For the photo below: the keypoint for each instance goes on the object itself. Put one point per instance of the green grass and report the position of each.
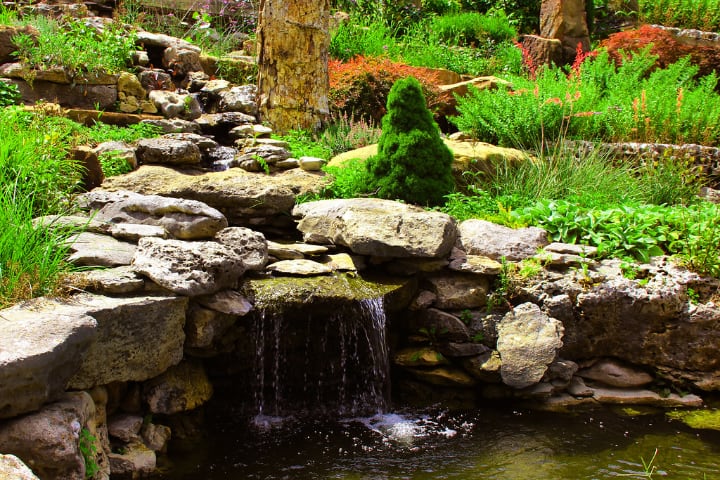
(698, 14)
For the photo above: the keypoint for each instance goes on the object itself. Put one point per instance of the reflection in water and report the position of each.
(487, 444)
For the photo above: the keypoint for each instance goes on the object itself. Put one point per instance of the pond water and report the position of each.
(489, 443)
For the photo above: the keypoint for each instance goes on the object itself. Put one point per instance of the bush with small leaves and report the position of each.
(413, 163)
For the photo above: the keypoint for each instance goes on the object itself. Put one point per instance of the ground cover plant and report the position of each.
(698, 14)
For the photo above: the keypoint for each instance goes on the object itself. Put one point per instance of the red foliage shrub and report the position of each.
(360, 86)
(665, 46)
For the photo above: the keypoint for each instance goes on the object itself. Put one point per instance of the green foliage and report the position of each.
(9, 94)
(413, 163)
(471, 28)
(690, 232)
(368, 37)
(88, 450)
(349, 181)
(524, 14)
(76, 47)
(598, 101)
(305, 144)
(103, 132)
(113, 164)
(698, 14)
(32, 258)
(33, 160)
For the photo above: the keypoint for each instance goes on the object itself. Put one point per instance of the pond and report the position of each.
(492, 442)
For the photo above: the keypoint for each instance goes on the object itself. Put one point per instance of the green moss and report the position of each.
(413, 164)
(700, 419)
(290, 293)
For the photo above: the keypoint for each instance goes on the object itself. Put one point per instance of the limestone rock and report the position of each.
(244, 198)
(343, 262)
(457, 350)
(271, 154)
(577, 388)
(12, 468)
(477, 264)
(528, 341)
(294, 251)
(615, 374)
(114, 281)
(479, 237)
(161, 40)
(247, 244)
(91, 249)
(133, 232)
(485, 367)
(205, 326)
(565, 21)
(167, 151)
(137, 337)
(92, 172)
(188, 268)
(311, 164)
(174, 125)
(439, 325)
(371, 226)
(79, 95)
(40, 349)
(155, 437)
(136, 461)
(419, 357)
(7, 47)
(179, 389)
(444, 377)
(456, 292)
(239, 99)
(544, 51)
(182, 59)
(623, 396)
(125, 426)
(302, 267)
(226, 301)
(48, 439)
(183, 219)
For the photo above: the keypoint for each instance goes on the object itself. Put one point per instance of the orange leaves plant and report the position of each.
(360, 86)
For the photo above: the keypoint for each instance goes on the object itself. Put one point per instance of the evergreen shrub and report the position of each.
(413, 163)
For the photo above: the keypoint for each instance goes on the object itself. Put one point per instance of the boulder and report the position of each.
(40, 350)
(92, 172)
(48, 439)
(616, 374)
(239, 99)
(183, 219)
(479, 237)
(565, 21)
(133, 232)
(371, 226)
(226, 301)
(179, 389)
(528, 342)
(444, 377)
(294, 251)
(167, 151)
(485, 367)
(247, 244)
(243, 197)
(419, 357)
(137, 337)
(173, 125)
(205, 327)
(156, 437)
(119, 150)
(437, 326)
(7, 47)
(135, 461)
(459, 291)
(182, 59)
(188, 268)
(125, 426)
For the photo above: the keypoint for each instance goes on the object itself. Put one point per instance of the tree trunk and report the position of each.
(293, 63)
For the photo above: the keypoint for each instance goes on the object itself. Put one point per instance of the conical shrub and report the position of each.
(413, 163)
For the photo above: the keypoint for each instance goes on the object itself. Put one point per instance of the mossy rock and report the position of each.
(325, 293)
(708, 419)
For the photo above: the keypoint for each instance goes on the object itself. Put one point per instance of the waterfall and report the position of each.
(315, 362)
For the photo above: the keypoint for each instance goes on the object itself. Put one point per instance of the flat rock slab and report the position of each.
(183, 219)
(95, 250)
(301, 267)
(239, 195)
(382, 228)
(40, 350)
(644, 397)
(137, 338)
(114, 281)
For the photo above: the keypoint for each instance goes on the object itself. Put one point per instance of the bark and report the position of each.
(293, 63)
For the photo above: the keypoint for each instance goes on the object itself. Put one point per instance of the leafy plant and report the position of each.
(345, 133)
(699, 14)
(9, 94)
(413, 163)
(77, 47)
(471, 28)
(305, 144)
(114, 164)
(88, 450)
